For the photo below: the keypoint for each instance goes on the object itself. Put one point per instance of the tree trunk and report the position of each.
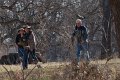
(115, 6)
(106, 39)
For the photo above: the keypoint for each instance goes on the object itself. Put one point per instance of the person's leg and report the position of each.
(33, 54)
(20, 52)
(25, 59)
(85, 51)
(22, 56)
(78, 52)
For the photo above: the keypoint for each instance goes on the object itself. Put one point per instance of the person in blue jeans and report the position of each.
(30, 37)
(80, 34)
(21, 44)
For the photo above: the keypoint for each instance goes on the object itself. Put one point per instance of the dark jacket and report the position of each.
(80, 34)
(31, 40)
(21, 41)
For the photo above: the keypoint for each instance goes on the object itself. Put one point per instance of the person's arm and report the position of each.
(72, 37)
(32, 39)
(85, 35)
(17, 40)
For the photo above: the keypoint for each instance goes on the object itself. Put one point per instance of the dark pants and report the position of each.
(32, 52)
(24, 56)
(84, 48)
(36, 56)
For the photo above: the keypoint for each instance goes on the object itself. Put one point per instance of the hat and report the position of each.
(29, 27)
(26, 26)
(21, 29)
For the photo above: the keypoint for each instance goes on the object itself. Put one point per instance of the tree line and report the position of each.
(53, 22)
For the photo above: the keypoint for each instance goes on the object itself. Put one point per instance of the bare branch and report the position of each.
(9, 7)
(26, 7)
(19, 21)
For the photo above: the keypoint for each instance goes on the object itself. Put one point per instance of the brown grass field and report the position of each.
(95, 70)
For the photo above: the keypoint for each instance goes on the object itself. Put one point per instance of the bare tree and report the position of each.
(116, 11)
(53, 22)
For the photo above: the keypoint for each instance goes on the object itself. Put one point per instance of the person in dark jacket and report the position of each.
(21, 44)
(30, 36)
(80, 34)
(31, 42)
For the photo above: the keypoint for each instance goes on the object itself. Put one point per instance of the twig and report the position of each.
(23, 74)
(13, 73)
(108, 59)
(29, 72)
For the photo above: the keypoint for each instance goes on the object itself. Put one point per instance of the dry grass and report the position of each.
(86, 71)
(95, 70)
(14, 72)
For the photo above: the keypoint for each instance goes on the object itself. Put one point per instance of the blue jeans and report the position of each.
(84, 48)
(24, 55)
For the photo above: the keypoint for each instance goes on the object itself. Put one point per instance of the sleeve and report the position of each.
(17, 40)
(72, 37)
(85, 35)
(73, 34)
(32, 38)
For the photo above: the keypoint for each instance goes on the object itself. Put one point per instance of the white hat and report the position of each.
(29, 27)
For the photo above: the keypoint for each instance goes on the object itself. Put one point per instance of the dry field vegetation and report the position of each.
(95, 70)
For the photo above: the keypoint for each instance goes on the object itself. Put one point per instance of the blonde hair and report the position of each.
(78, 21)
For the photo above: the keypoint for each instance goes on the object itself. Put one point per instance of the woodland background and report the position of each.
(53, 22)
